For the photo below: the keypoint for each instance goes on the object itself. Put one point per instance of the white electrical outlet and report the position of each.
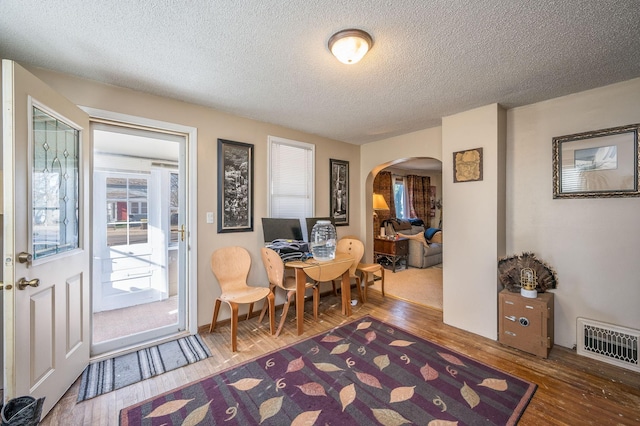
(209, 217)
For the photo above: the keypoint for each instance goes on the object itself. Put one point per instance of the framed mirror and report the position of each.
(601, 163)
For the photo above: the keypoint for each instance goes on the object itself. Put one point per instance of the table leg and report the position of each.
(301, 279)
(346, 293)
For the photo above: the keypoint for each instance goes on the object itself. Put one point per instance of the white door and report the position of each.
(139, 235)
(46, 155)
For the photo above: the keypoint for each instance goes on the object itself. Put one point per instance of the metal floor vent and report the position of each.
(608, 343)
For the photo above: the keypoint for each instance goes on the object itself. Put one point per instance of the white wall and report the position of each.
(594, 244)
(472, 223)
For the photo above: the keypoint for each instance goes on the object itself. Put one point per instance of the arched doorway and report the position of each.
(401, 176)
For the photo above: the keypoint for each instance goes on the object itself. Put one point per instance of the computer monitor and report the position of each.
(279, 228)
(310, 221)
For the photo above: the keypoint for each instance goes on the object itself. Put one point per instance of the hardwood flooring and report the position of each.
(572, 390)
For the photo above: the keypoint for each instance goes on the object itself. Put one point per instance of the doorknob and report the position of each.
(24, 257)
(23, 283)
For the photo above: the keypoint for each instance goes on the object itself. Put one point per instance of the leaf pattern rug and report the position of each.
(365, 372)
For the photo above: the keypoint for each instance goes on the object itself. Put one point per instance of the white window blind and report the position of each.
(291, 178)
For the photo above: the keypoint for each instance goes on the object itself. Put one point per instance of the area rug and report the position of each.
(115, 373)
(364, 372)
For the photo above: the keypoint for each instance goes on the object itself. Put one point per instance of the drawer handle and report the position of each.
(511, 318)
(510, 333)
(528, 307)
(508, 302)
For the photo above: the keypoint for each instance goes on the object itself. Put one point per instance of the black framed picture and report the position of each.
(339, 190)
(235, 186)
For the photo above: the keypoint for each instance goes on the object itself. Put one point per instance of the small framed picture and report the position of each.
(339, 190)
(235, 186)
(467, 165)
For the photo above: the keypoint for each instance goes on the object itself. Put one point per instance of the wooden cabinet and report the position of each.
(526, 324)
(391, 250)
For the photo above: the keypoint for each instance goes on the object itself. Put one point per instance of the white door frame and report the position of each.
(191, 195)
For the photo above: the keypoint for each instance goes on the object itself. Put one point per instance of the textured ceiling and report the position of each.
(268, 59)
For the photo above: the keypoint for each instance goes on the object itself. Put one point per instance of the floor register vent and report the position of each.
(608, 343)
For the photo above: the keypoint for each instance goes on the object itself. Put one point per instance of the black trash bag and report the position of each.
(22, 411)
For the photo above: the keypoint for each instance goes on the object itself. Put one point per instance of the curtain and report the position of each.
(419, 202)
(383, 184)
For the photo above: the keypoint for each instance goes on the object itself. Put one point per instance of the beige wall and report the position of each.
(594, 244)
(471, 227)
(211, 125)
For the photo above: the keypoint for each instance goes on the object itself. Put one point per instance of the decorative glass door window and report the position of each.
(55, 186)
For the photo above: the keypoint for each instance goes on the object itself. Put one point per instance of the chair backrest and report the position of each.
(354, 248)
(231, 266)
(274, 266)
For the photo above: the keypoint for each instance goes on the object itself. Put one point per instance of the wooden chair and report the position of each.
(370, 268)
(354, 248)
(231, 265)
(274, 266)
(364, 269)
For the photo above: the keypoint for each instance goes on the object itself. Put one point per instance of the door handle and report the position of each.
(180, 231)
(24, 283)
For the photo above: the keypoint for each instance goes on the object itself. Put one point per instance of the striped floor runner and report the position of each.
(115, 373)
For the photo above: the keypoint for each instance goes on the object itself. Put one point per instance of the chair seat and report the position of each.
(369, 267)
(290, 284)
(246, 295)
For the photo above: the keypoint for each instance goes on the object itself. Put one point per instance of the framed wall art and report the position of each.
(235, 186)
(339, 190)
(467, 165)
(600, 163)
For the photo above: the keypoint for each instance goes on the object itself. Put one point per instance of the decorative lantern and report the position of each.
(528, 283)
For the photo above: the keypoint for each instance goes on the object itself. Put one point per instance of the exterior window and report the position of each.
(400, 197)
(126, 201)
(291, 178)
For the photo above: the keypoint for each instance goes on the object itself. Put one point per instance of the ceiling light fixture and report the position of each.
(349, 46)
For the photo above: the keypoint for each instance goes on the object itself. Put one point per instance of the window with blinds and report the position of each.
(291, 178)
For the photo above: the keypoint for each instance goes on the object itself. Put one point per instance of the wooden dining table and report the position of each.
(321, 271)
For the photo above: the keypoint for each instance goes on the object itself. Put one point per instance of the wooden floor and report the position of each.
(572, 390)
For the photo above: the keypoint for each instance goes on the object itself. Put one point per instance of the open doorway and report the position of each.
(139, 249)
(412, 190)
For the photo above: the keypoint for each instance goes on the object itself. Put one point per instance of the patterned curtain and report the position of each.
(419, 202)
(383, 184)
